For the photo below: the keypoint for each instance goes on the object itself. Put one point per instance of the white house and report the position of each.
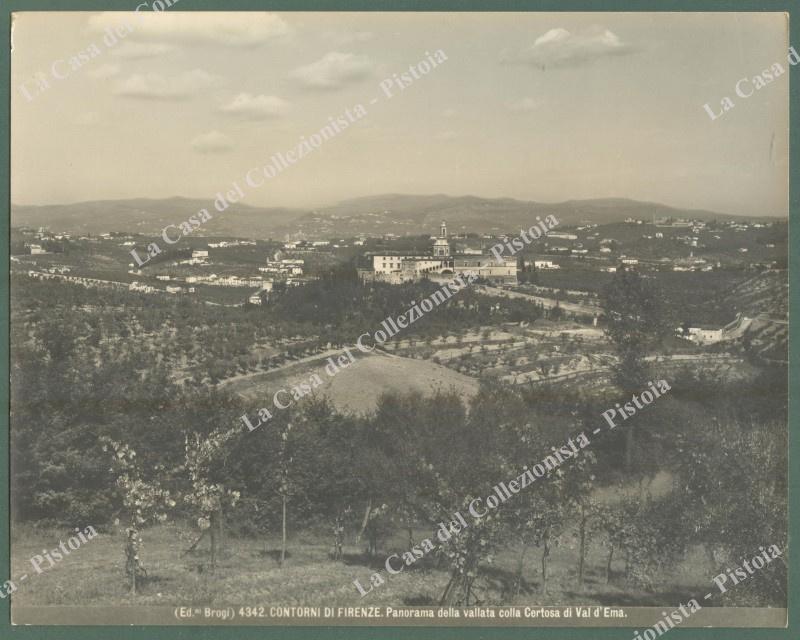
(705, 335)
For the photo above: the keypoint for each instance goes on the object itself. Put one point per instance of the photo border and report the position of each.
(388, 632)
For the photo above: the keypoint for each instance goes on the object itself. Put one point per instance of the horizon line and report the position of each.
(411, 195)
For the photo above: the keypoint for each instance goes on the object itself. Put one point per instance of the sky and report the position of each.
(535, 106)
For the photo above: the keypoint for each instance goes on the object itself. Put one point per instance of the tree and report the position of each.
(614, 520)
(429, 452)
(733, 488)
(533, 276)
(522, 270)
(578, 487)
(465, 550)
(208, 497)
(285, 485)
(145, 501)
(635, 322)
(657, 538)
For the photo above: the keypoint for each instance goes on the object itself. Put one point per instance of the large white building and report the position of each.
(441, 264)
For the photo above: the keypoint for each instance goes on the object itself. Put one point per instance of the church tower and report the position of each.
(441, 247)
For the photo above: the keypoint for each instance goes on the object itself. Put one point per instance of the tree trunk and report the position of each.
(627, 564)
(711, 559)
(372, 542)
(212, 531)
(608, 565)
(458, 591)
(221, 530)
(448, 589)
(520, 567)
(283, 530)
(193, 546)
(132, 556)
(582, 559)
(545, 554)
(365, 521)
(468, 591)
(629, 448)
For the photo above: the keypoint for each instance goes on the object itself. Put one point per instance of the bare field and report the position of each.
(358, 386)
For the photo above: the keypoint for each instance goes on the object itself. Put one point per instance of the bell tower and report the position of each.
(441, 247)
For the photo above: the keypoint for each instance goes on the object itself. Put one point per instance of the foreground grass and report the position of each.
(248, 573)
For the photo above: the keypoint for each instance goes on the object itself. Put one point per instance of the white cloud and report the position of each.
(133, 50)
(333, 70)
(212, 142)
(154, 86)
(242, 29)
(104, 71)
(525, 104)
(259, 107)
(561, 48)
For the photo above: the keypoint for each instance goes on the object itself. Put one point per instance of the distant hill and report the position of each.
(149, 216)
(409, 214)
(373, 215)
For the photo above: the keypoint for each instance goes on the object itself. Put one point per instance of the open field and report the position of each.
(359, 386)
(247, 575)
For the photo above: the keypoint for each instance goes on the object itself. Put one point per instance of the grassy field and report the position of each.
(248, 573)
(359, 386)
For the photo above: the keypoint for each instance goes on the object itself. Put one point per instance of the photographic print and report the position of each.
(379, 319)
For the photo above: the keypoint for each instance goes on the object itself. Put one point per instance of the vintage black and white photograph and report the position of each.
(399, 318)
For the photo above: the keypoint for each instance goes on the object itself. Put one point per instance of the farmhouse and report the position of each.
(702, 334)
